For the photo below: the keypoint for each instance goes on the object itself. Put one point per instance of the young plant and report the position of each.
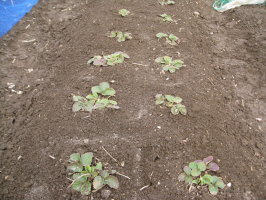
(109, 60)
(123, 12)
(171, 102)
(197, 173)
(170, 39)
(166, 2)
(88, 176)
(98, 99)
(166, 18)
(121, 37)
(169, 64)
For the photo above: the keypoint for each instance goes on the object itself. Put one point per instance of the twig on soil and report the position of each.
(69, 179)
(190, 188)
(109, 154)
(211, 82)
(27, 41)
(140, 64)
(146, 186)
(52, 157)
(122, 175)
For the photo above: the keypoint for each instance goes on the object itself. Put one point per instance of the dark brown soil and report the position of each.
(223, 86)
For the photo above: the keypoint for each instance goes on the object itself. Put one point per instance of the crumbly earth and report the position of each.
(223, 86)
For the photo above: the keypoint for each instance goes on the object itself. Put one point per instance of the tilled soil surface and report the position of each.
(223, 86)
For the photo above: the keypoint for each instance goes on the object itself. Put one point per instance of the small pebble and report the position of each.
(196, 13)
(229, 184)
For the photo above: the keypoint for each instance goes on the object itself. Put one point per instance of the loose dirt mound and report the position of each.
(223, 87)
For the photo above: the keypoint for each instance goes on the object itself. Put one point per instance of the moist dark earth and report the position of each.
(223, 86)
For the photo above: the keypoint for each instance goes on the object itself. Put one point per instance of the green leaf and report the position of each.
(166, 68)
(195, 172)
(75, 168)
(215, 179)
(220, 184)
(167, 60)
(159, 99)
(80, 177)
(188, 179)
(201, 166)
(172, 70)
(169, 104)
(108, 92)
(206, 179)
(187, 170)
(104, 174)
(96, 89)
(161, 35)
(104, 86)
(92, 96)
(178, 100)
(98, 182)
(113, 34)
(77, 106)
(78, 98)
(195, 181)
(159, 60)
(178, 63)
(88, 106)
(124, 55)
(112, 181)
(85, 188)
(123, 12)
(113, 102)
(182, 109)
(174, 110)
(213, 190)
(172, 37)
(75, 157)
(86, 158)
(99, 166)
(77, 185)
(170, 98)
(182, 177)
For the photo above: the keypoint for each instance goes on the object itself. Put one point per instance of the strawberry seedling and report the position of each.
(123, 12)
(171, 102)
(169, 64)
(109, 60)
(121, 37)
(98, 99)
(170, 39)
(166, 18)
(88, 176)
(166, 2)
(197, 173)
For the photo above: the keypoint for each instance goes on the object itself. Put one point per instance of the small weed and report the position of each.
(89, 177)
(172, 102)
(99, 99)
(113, 59)
(166, 18)
(197, 173)
(123, 12)
(166, 2)
(121, 37)
(169, 64)
(170, 39)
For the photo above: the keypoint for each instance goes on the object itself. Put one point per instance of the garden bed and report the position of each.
(222, 86)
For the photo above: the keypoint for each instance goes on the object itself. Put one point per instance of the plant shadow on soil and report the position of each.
(223, 87)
